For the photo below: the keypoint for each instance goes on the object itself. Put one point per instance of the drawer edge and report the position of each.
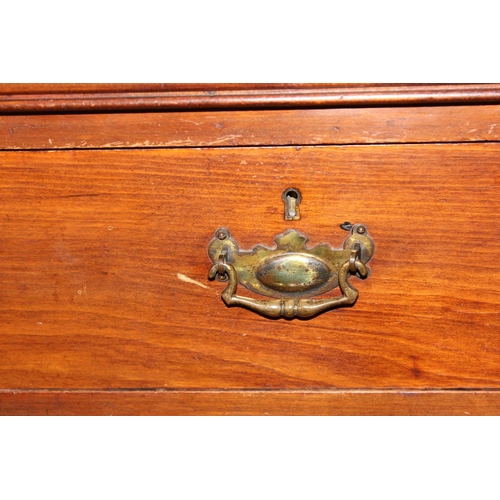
(251, 402)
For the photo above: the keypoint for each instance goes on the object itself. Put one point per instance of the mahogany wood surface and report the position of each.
(110, 193)
(264, 403)
(114, 88)
(251, 128)
(104, 268)
(93, 98)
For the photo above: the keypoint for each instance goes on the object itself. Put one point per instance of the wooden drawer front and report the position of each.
(104, 268)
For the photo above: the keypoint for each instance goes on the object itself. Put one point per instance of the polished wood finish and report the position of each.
(222, 96)
(264, 403)
(98, 249)
(115, 88)
(423, 124)
(105, 305)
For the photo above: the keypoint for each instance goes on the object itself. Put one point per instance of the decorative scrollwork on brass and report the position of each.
(291, 274)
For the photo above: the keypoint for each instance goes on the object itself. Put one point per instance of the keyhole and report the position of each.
(291, 198)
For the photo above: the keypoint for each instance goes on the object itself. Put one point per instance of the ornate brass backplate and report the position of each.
(291, 273)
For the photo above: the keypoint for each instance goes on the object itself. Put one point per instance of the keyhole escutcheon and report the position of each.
(291, 198)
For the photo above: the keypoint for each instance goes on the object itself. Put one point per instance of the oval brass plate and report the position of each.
(293, 272)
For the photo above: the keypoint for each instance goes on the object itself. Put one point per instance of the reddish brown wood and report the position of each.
(105, 306)
(252, 128)
(457, 403)
(245, 97)
(89, 88)
(96, 247)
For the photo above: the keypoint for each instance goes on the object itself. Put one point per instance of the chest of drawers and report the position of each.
(111, 195)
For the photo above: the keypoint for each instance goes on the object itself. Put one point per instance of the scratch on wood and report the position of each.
(83, 195)
(224, 139)
(113, 144)
(186, 279)
(191, 121)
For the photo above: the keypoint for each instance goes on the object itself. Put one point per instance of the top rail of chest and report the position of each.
(223, 115)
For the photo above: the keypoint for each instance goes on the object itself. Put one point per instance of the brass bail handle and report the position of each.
(291, 274)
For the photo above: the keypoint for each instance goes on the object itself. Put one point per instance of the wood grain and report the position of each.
(265, 403)
(252, 128)
(241, 97)
(93, 88)
(95, 245)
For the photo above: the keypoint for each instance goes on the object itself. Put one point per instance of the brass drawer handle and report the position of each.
(291, 273)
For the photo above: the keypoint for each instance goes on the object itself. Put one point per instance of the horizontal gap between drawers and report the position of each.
(253, 391)
(250, 146)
